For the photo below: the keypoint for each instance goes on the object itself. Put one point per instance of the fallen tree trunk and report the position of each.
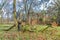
(18, 26)
(9, 28)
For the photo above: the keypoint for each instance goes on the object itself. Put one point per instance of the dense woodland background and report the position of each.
(31, 11)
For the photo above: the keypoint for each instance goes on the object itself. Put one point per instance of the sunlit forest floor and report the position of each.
(13, 34)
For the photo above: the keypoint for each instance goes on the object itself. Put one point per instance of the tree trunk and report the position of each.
(14, 11)
(15, 17)
(17, 23)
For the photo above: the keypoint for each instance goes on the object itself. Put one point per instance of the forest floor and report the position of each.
(48, 34)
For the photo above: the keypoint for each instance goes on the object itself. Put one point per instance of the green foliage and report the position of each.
(25, 28)
(35, 28)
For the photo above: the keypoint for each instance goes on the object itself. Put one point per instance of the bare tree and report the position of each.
(28, 8)
(1, 7)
